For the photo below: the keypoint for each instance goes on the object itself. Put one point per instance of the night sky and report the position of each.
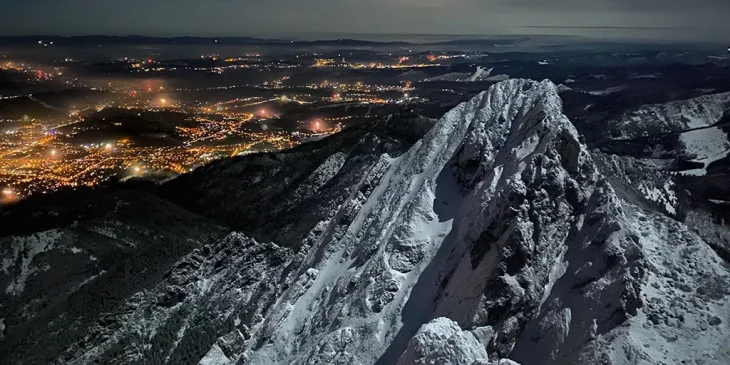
(665, 19)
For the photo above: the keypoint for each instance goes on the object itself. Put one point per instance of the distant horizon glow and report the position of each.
(649, 19)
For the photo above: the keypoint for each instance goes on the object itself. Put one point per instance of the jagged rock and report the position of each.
(442, 341)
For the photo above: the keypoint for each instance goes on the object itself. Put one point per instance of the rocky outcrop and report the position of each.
(442, 341)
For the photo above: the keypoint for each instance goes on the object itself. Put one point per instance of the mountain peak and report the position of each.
(493, 239)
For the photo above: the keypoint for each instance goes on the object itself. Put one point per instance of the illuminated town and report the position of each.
(90, 142)
(36, 159)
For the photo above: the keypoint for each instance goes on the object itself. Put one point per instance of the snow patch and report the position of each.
(88, 280)
(481, 74)
(676, 116)
(720, 202)
(215, 357)
(707, 144)
(26, 249)
(609, 91)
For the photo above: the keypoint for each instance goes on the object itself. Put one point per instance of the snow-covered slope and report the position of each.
(677, 116)
(493, 239)
(706, 143)
(675, 153)
(704, 146)
(481, 74)
(58, 283)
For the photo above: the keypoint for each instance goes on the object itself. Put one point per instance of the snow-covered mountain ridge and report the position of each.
(676, 153)
(494, 239)
(677, 116)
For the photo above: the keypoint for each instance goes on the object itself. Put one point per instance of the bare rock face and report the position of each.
(494, 239)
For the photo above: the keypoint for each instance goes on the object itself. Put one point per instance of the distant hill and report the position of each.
(136, 40)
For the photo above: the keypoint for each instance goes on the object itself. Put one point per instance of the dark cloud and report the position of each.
(696, 19)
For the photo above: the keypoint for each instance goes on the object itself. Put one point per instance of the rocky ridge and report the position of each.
(494, 239)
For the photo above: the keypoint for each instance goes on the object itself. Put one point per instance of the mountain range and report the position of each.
(94, 40)
(497, 234)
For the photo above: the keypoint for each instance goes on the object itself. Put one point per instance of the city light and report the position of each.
(317, 125)
(33, 153)
(7, 191)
